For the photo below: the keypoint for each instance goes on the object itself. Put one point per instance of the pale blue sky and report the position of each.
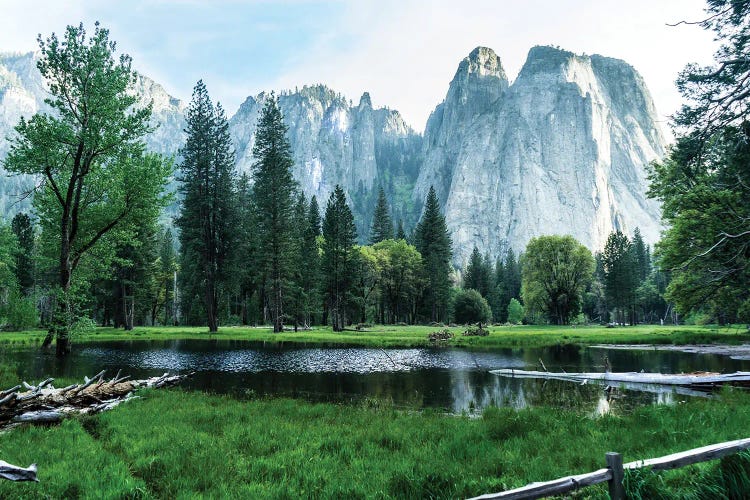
(404, 52)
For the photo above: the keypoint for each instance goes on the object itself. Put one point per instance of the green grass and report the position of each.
(416, 336)
(174, 444)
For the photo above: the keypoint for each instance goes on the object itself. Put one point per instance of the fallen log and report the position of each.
(696, 380)
(43, 404)
(15, 473)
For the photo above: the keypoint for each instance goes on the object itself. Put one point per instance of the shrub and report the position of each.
(470, 307)
(19, 313)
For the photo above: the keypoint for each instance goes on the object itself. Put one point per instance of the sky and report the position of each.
(403, 52)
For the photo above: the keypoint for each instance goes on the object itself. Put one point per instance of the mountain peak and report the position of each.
(482, 61)
(365, 100)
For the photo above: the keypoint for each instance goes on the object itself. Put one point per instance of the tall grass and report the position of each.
(174, 444)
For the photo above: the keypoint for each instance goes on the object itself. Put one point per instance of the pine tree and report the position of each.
(24, 231)
(487, 281)
(207, 220)
(382, 225)
(274, 200)
(473, 274)
(434, 243)
(400, 233)
(310, 263)
(641, 256)
(339, 235)
(512, 279)
(497, 296)
(247, 279)
(167, 269)
(620, 273)
(296, 291)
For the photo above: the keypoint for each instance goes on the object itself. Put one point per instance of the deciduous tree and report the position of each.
(89, 153)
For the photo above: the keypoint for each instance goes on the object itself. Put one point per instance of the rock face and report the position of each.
(562, 150)
(334, 142)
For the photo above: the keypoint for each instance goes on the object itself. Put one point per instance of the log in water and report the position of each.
(685, 380)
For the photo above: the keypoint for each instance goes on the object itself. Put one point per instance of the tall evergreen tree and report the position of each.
(487, 281)
(24, 232)
(474, 272)
(206, 218)
(512, 279)
(297, 294)
(274, 201)
(382, 225)
(310, 263)
(641, 256)
(620, 273)
(167, 271)
(247, 279)
(496, 296)
(339, 235)
(400, 233)
(434, 243)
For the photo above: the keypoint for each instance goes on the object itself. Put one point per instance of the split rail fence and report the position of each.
(614, 473)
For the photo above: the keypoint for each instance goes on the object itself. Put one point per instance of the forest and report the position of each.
(252, 250)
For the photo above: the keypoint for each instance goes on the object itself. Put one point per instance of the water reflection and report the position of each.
(451, 379)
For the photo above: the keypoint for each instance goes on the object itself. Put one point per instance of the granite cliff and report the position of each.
(562, 149)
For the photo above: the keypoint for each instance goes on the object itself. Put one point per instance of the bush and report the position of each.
(19, 313)
(470, 307)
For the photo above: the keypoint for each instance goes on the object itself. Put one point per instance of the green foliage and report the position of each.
(207, 219)
(515, 312)
(24, 232)
(470, 307)
(309, 263)
(382, 224)
(621, 273)
(400, 280)
(89, 153)
(17, 312)
(434, 244)
(274, 189)
(703, 183)
(339, 256)
(556, 271)
(8, 252)
(479, 274)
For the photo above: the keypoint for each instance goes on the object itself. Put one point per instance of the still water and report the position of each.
(454, 380)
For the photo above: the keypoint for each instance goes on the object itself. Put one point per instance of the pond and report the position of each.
(454, 380)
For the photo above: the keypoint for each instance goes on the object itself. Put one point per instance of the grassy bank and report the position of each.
(416, 336)
(174, 444)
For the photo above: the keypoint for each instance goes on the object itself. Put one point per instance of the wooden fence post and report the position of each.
(616, 487)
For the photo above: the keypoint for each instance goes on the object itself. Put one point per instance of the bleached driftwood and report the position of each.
(15, 473)
(685, 380)
(43, 404)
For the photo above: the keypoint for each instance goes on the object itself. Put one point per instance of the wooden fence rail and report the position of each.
(615, 472)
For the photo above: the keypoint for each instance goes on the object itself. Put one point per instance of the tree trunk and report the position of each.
(60, 322)
(128, 302)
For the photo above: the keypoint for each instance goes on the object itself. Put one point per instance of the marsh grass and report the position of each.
(175, 444)
(416, 336)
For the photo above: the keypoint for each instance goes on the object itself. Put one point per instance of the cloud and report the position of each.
(404, 52)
